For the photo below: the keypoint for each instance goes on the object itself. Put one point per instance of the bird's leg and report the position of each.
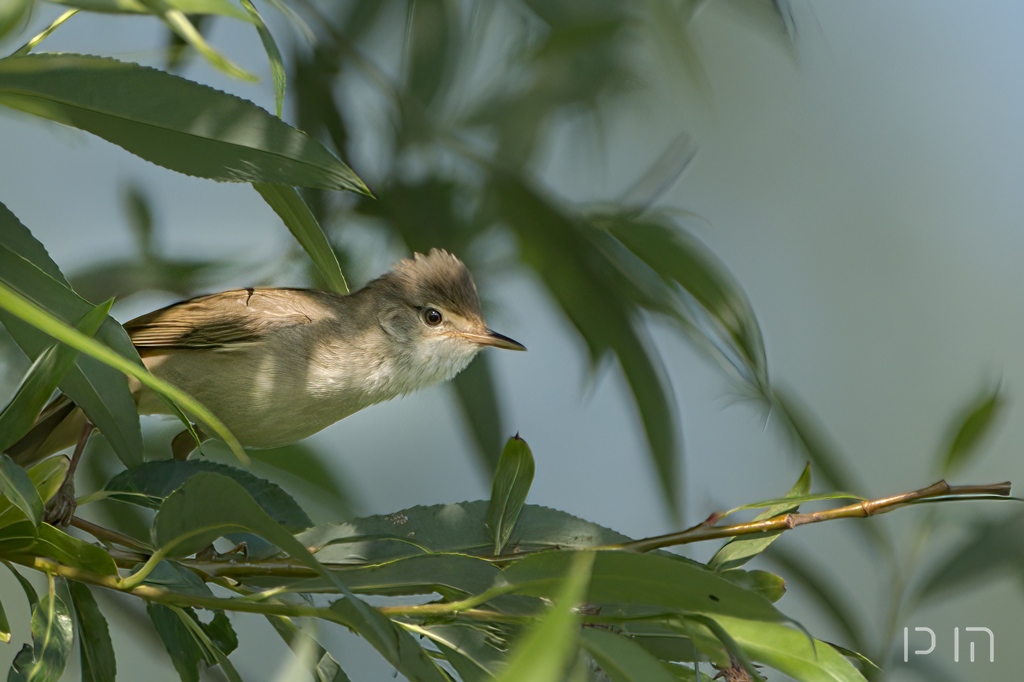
(184, 443)
(62, 507)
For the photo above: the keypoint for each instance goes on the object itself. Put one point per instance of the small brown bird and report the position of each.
(278, 365)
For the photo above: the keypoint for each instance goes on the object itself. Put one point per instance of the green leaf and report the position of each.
(448, 528)
(974, 422)
(644, 579)
(5, 626)
(71, 551)
(476, 651)
(101, 392)
(179, 22)
(185, 651)
(273, 54)
(17, 487)
(219, 7)
(42, 379)
(52, 638)
(297, 217)
(508, 494)
(306, 465)
(170, 121)
(739, 551)
(97, 652)
(26, 587)
(768, 585)
(322, 665)
(397, 646)
(790, 651)
(13, 14)
(622, 659)
(159, 479)
(546, 650)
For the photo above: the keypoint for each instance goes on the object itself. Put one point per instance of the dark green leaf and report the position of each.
(739, 551)
(170, 121)
(159, 479)
(305, 464)
(508, 494)
(26, 587)
(71, 551)
(46, 478)
(185, 651)
(102, 392)
(622, 659)
(544, 653)
(42, 380)
(322, 665)
(5, 626)
(297, 217)
(97, 652)
(431, 49)
(973, 423)
(17, 487)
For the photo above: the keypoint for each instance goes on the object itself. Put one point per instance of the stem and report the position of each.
(705, 531)
(106, 535)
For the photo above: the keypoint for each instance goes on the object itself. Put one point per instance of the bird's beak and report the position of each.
(493, 338)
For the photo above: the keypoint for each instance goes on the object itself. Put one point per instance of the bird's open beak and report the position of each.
(493, 338)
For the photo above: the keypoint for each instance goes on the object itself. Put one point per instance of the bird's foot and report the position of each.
(62, 507)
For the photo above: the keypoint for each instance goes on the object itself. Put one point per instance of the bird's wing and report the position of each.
(231, 317)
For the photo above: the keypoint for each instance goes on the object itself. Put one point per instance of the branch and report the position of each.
(708, 531)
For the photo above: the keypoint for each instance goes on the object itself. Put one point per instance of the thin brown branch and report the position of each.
(708, 531)
(108, 536)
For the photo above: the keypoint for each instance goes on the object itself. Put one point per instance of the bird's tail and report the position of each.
(57, 427)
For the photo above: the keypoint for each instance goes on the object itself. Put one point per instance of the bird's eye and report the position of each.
(432, 316)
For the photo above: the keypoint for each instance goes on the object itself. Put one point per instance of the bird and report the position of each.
(277, 365)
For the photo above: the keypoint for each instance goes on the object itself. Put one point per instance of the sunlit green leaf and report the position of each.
(972, 425)
(12, 14)
(297, 217)
(52, 638)
(5, 626)
(220, 7)
(273, 54)
(545, 651)
(508, 494)
(170, 121)
(17, 487)
(96, 650)
(70, 551)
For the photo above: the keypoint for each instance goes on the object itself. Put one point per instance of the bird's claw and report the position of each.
(62, 507)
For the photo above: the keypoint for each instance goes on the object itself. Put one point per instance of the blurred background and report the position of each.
(854, 166)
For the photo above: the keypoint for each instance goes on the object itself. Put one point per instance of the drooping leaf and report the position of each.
(5, 626)
(545, 651)
(185, 652)
(508, 494)
(273, 54)
(218, 7)
(160, 478)
(478, 399)
(16, 486)
(739, 551)
(974, 422)
(52, 639)
(622, 659)
(476, 651)
(42, 379)
(170, 121)
(297, 217)
(323, 666)
(96, 650)
(70, 551)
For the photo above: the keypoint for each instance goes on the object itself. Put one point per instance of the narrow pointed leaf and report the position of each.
(273, 54)
(179, 22)
(170, 121)
(508, 494)
(622, 659)
(323, 666)
(5, 626)
(297, 217)
(96, 650)
(218, 7)
(478, 398)
(976, 421)
(52, 638)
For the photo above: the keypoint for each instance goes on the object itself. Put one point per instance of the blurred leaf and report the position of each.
(5, 626)
(297, 217)
(170, 121)
(179, 22)
(432, 45)
(972, 425)
(273, 54)
(768, 585)
(137, 206)
(544, 653)
(622, 659)
(187, 641)
(790, 651)
(739, 551)
(222, 7)
(12, 14)
(600, 302)
(478, 397)
(52, 638)
(101, 392)
(44, 34)
(161, 478)
(306, 465)
(476, 652)
(313, 94)
(508, 494)
(16, 486)
(323, 666)
(42, 379)
(122, 278)
(98, 662)
(665, 170)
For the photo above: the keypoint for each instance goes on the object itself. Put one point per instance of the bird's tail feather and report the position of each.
(58, 426)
